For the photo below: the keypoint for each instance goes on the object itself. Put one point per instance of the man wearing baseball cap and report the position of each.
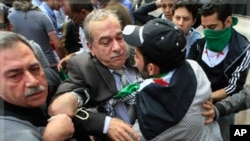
(169, 100)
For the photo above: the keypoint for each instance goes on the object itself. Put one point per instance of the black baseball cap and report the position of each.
(161, 41)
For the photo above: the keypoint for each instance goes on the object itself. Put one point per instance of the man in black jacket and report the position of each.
(223, 54)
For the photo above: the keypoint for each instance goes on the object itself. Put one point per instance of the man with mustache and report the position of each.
(53, 78)
(93, 81)
(23, 95)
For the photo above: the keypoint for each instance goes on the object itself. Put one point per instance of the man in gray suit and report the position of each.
(93, 81)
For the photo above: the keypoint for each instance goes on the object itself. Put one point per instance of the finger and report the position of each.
(208, 102)
(59, 67)
(207, 106)
(208, 120)
(132, 134)
(125, 137)
(204, 113)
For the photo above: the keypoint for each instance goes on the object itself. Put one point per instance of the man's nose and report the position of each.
(31, 80)
(181, 21)
(116, 45)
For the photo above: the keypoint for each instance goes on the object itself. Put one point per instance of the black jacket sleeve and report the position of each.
(142, 13)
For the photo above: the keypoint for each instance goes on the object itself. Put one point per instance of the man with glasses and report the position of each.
(73, 37)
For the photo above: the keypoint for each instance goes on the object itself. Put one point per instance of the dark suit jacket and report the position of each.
(142, 15)
(71, 37)
(86, 73)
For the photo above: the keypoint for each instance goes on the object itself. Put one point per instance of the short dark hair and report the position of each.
(77, 5)
(191, 5)
(221, 7)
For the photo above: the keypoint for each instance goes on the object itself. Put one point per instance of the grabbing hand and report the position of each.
(121, 131)
(63, 104)
(209, 112)
(59, 128)
(63, 62)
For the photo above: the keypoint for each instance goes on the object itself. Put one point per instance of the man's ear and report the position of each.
(194, 21)
(89, 45)
(153, 69)
(84, 13)
(90, 48)
(228, 21)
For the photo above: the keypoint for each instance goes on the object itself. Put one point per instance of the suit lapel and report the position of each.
(106, 75)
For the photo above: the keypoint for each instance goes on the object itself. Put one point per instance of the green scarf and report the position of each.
(133, 88)
(218, 39)
(129, 89)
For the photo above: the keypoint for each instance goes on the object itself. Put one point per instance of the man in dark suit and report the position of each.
(93, 81)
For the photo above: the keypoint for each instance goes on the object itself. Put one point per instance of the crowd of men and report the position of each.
(121, 66)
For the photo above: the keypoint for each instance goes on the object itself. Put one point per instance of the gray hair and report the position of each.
(9, 39)
(97, 15)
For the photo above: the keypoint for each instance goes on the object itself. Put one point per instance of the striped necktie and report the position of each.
(122, 76)
(120, 108)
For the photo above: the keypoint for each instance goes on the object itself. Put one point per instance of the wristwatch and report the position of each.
(79, 99)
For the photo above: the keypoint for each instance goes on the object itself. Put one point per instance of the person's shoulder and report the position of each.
(199, 42)
(16, 122)
(195, 32)
(194, 64)
(82, 55)
(239, 40)
(240, 36)
(11, 11)
(17, 129)
(81, 58)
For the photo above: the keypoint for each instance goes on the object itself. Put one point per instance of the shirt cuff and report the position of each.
(106, 124)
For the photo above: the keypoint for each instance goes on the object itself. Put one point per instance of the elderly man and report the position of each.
(93, 80)
(53, 78)
(23, 95)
